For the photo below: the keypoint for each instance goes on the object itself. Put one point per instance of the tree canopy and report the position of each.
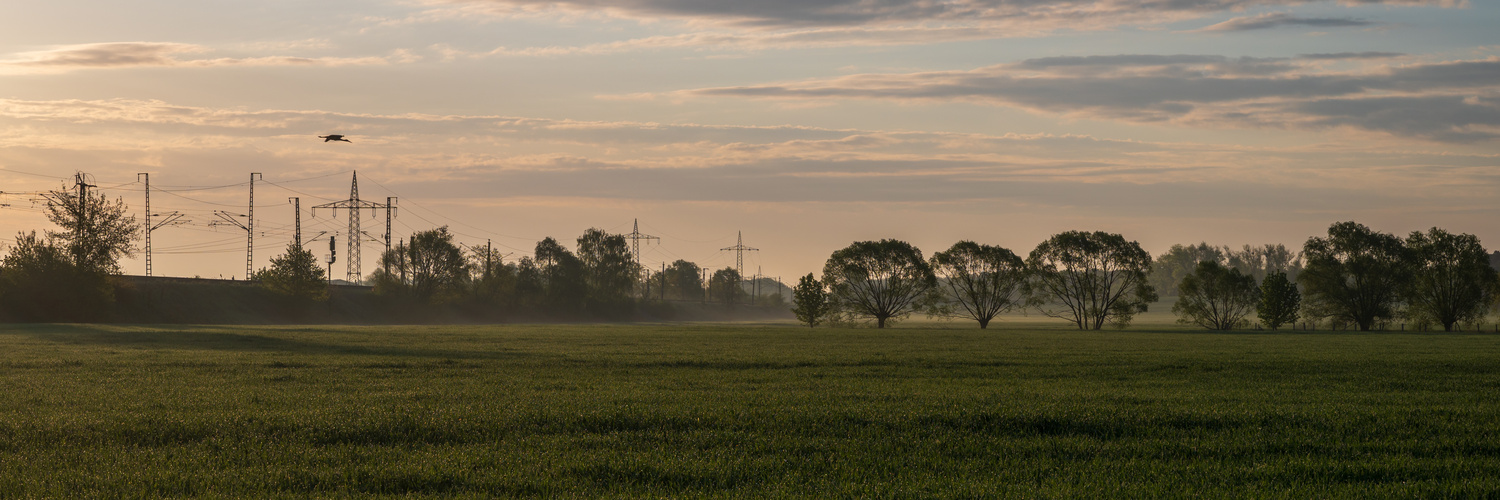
(1356, 274)
(810, 301)
(684, 280)
(96, 232)
(610, 269)
(295, 273)
(1216, 297)
(1279, 301)
(724, 286)
(982, 281)
(1090, 278)
(430, 268)
(1452, 280)
(879, 279)
(1178, 262)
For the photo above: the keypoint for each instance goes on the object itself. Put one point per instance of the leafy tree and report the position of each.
(1261, 261)
(984, 280)
(724, 286)
(295, 273)
(1279, 300)
(66, 276)
(1216, 297)
(39, 282)
(491, 281)
(1180, 261)
(561, 276)
(1355, 274)
(1453, 281)
(610, 270)
(684, 280)
(431, 268)
(879, 279)
(96, 232)
(811, 301)
(1090, 279)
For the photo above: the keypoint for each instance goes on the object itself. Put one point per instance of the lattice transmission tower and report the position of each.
(739, 249)
(355, 236)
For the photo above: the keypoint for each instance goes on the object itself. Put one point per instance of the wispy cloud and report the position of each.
(1210, 90)
(517, 156)
(1278, 19)
(755, 25)
(159, 54)
(781, 14)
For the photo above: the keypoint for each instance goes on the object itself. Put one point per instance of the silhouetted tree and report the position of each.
(982, 280)
(1090, 279)
(1355, 274)
(1279, 301)
(562, 277)
(1453, 281)
(1215, 297)
(724, 286)
(610, 269)
(295, 273)
(39, 282)
(811, 301)
(492, 283)
(96, 232)
(1178, 262)
(430, 268)
(1260, 261)
(684, 280)
(882, 279)
(67, 276)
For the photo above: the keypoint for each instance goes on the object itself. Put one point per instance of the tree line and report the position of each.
(70, 274)
(1353, 276)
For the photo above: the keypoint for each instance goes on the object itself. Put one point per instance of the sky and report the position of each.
(803, 125)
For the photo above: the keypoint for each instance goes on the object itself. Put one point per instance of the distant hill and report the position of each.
(1495, 260)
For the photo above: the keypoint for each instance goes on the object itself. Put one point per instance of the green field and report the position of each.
(744, 410)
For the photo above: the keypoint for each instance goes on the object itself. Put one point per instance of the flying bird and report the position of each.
(334, 137)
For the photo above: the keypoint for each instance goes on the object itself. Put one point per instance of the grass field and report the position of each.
(744, 410)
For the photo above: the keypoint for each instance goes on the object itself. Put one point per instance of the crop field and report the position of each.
(744, 410)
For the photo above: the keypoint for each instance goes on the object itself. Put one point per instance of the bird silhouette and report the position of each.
(334, 137)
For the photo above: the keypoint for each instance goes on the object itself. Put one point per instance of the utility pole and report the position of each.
(147, 225)
(390, 208)
(354, 205)
(172, 218)
(297, 211)
(250, 230)
(83, 196)
(663, 275)
(79, 179)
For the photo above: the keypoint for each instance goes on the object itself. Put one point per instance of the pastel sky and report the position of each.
(806, 124)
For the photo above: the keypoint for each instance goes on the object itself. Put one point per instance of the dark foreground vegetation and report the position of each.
(744, 411)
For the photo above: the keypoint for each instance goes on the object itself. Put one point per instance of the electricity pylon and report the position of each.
(635, 238)
(739, 249)
(354, 236)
